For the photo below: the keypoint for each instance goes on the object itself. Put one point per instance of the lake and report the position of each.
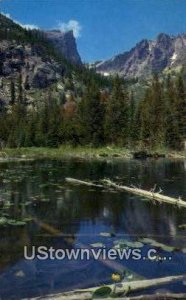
(63, 216)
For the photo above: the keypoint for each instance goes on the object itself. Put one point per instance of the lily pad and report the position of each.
(156, 244)
(3, 221)
(28, 219)
(20, 274)
(182, 226)
(16, 223)
(97, 245)
(102, 292)
(147, 241)
(126, 243)
(107, 234)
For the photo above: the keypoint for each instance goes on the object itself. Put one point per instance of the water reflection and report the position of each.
(80, 214)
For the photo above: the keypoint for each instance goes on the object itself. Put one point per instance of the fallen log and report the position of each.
(118, 289)
(148, 194)
(154, 196)
(81, 182)
(157, 296)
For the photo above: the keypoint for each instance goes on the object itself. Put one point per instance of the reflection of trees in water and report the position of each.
(12, 242)
(70, 207)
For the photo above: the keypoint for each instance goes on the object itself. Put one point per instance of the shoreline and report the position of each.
(84, 152)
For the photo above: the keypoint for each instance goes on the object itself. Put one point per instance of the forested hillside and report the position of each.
(47, 101)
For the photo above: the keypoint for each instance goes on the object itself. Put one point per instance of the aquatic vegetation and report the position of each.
(116, 277)
(182, 226)
(20, 273)
(156, 244)
(97, 245)
(102, 292)
(120, 244)
(4, 221)
(107, 234)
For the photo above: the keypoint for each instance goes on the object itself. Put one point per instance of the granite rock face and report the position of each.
(65, 43)
(39, 72)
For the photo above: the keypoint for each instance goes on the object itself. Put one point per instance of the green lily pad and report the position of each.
(126, 243)
(182, 226)
(97, 245)
(7, 204)
(28, 219)
(20, 274)
(16, 223)
(106, 234)
(3, 221)
(156, 244)
(146, 241)
(102, 292)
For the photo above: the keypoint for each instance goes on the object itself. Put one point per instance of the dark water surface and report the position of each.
(80, 214)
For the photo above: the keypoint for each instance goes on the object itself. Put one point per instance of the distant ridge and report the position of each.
(164, 53)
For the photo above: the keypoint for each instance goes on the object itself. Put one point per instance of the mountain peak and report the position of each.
(65, 43)
(147, 57)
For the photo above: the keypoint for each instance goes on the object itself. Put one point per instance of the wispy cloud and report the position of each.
(6, 15)
(26, 26)
(71, 25)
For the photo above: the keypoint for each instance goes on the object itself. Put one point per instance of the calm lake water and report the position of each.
(85, 215)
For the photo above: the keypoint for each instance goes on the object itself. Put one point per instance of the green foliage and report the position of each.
(90, 109)
(91, 114)
(102, 292)
(98, 118)
(12, 92)
(117, 115)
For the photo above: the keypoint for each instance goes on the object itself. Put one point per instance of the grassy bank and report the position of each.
(67, 151)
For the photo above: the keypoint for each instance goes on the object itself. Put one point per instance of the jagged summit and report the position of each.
(165, 53)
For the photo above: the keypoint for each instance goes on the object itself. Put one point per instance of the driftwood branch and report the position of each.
(134, 190)
(81, 182)
(148, 194)
(161, 296)
(119, 289)
(157, 296)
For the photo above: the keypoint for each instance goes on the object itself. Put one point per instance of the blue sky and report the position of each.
(103, 27)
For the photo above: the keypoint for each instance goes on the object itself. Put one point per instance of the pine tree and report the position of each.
(145, 120)
(181, 110)
(171, 119)
(117, 115)
(20, 89)
(132, 127)
(12, 93)
(91, 114)
(1, 68)
(157, 113)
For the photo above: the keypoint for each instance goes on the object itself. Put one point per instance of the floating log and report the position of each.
(157, 296)
(118, 289)
(148, 194)
(154, 196)
(81, 182)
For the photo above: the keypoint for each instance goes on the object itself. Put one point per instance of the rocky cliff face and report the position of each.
(37, 71)
(31, 55)
(65, 43)
(147, 57)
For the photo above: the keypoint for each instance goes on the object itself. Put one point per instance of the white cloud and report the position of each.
(26, 26)
(71, 25)
(6, 15)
